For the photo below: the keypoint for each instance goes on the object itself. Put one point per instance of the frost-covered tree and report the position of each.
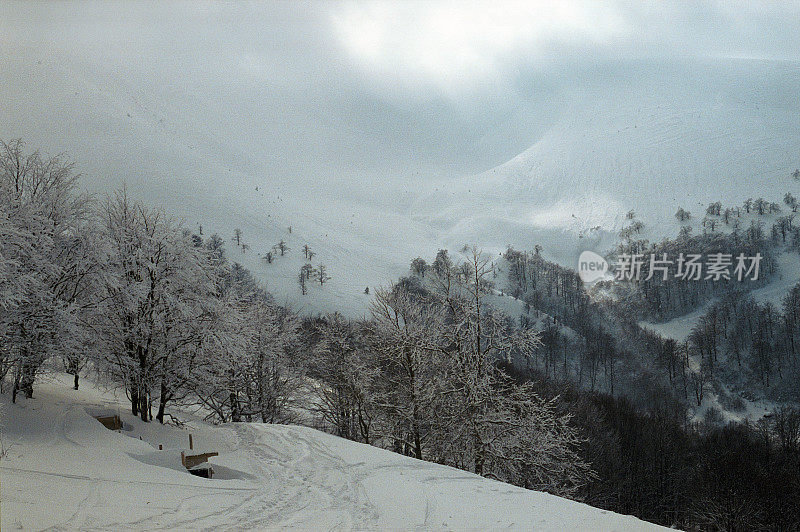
(248, 366)
(302, 280)
(282, 247)
(710, 223)
(217, 383)
(410, 358)
(157, 290)
(442, 264)
(346, 396)
(714, 209)
(726, 215)
(187, 326)
(271, 367)
(48, 264)
(475, 339)
(308, 271)
(760, 206)
(418, 266)
(471, 414)
(790, 201)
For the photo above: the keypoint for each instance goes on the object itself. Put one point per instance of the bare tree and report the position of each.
(302, 279)
(308, 271)
(322, 275)
(282, 247)
(683, 215)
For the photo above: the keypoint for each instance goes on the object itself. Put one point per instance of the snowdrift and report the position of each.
(63, 469)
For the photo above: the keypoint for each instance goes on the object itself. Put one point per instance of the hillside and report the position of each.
(651, 140)
(633, 136)
(266, 476)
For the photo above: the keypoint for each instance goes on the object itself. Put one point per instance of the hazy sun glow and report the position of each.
(453, 40)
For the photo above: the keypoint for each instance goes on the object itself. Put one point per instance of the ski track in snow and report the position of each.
(279, 477)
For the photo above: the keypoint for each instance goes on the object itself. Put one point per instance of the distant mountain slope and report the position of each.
(65, 470)
(649, 141)
(210, 131)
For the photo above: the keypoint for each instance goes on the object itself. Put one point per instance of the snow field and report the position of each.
(267, 477)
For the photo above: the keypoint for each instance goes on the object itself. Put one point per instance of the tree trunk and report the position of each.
(143, 406)
(415, 423)
(76, 381)
(134, 399)
(16, 384)
(478, 449)
(235, 413)
(417, 445)
(28, 376)
(162, 403)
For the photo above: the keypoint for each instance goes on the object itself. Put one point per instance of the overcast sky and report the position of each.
(387, 87)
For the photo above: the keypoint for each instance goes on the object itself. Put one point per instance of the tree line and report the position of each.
(124, 292)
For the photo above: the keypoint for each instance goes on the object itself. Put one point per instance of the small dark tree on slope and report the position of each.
(790, 201)
(308, 271)
(322, 275)
(302, 280)
(418, 266)
(282, 247)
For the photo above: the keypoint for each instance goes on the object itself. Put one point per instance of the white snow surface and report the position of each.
(680, 327)
(64, 470)
(787, 277)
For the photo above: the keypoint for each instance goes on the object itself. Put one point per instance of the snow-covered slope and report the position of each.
(191, 115)
(651, 140)
(62, 469)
